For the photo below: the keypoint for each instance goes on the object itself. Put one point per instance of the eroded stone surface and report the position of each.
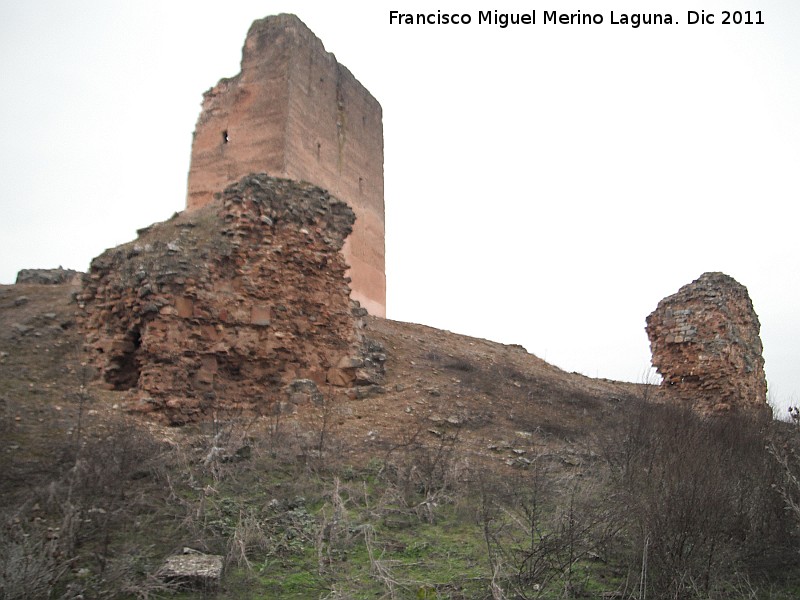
(192, 569)
(219, 308)
(293, 111)
(705, 344)
(48, 276)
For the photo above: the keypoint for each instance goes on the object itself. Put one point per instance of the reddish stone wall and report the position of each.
(706, 346)
(220, 307)
(293, 111)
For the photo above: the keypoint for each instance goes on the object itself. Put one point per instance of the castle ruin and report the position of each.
(294, 112)
(221, 307)
(706, 346)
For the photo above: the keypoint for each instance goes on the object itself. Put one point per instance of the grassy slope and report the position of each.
(480, 472)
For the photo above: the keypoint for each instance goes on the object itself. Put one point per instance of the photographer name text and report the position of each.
(554, 17)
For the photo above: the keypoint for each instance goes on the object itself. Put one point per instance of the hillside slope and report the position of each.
(474, 470)
(494, 394)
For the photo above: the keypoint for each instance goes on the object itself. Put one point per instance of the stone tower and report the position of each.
(706, 345)
(293, 111)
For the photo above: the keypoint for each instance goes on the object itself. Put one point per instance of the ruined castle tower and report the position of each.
(293, 111)
(706, 345)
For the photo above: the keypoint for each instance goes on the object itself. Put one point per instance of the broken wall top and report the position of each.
(48, 276)
(222, 307)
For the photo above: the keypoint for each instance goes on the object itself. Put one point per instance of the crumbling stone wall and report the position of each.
(705, 344)
(293, 111)
(221, 307)
(48, 276)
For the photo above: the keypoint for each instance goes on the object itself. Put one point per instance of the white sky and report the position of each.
(545, 185)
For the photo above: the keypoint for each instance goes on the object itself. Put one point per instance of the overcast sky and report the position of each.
(545, 185)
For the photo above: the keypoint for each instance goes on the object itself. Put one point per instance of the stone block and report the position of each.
(260, 315)
(341, 377)
(184, 307)
(193, 570)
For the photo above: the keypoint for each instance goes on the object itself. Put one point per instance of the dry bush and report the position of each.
(31, 562)
(423, 473)
(785, 449)
(538, 526)
(251, 537)
(227, 442)
(696, 499)
(63, 538)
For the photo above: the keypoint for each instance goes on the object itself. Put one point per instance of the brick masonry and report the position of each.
(293, 111)
(222, 307)
(705, 344)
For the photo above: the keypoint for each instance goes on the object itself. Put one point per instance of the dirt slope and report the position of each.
(502, 402)
(499, 399)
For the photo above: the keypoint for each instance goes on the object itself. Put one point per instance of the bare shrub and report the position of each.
(382, 569)
(334, 535)
(31, 563)
(696, 499)
(250, 537)
(538, 527)
(785, 449)
(63, 539)
(425, 472)
(228, 443)
(460, 364)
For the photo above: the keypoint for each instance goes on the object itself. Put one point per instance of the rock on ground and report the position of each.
(193, 569)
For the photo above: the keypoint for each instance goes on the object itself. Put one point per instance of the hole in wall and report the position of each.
(123, 370)
(225, 137)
